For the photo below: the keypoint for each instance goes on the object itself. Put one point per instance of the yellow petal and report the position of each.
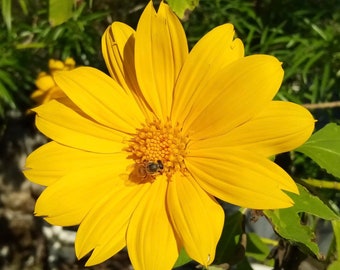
(69, 63)
(213, 52)
(118, 47)
(38, 96)
(54, 64)
(101, 98)
(118, 44)
(52, 161)
(233, 96)
(280, 127)
(197, 218)
(65, 126)
(160, 51)
(45, 82)
(241, 177)
(67, 201)
(103, 230)
(150, 238)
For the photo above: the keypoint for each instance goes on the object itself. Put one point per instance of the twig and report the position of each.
(323, 183)
(324, 105)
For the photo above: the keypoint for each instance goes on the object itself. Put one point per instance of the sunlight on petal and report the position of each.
(52, 160)
(241, 178)
(67, 201)
(102, 98)
(202, 64)
(280, 127)
(118, 52)
(235, 95)
(160, 50)
(77, 131)
(118, 47)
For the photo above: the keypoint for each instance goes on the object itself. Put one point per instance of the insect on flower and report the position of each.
(147, 169)
(152, 167)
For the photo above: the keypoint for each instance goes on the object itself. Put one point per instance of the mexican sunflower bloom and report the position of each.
(141, 157)
(47, 87)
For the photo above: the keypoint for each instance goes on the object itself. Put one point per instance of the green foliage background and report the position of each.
(304, 35)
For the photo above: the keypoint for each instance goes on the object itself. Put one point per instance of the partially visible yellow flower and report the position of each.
(142, 160)
(47, 88)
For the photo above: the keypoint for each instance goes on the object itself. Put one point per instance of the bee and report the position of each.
(152, 167)
(145, 171)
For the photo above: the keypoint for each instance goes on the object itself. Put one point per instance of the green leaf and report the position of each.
(324, 148)
(181, 6)
(287, 223)
(336, 231)
(6, 9)
(23, 6)
(256, 248)
(6, 79)
(6, 96)
(244, 265)
(183, 258)
(229, 249)
(60, 11)
(334, 266)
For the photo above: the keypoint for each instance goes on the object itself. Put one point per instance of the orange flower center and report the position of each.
(157, 148)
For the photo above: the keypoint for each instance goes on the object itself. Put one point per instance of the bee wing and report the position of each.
(129, 177)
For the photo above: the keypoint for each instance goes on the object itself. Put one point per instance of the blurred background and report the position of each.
(304, 35)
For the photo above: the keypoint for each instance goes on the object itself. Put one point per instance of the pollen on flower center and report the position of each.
(157, 148)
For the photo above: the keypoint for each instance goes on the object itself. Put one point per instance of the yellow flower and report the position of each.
(47, 88)
(151, 147)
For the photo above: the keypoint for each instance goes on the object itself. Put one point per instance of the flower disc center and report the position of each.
(157, 148)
